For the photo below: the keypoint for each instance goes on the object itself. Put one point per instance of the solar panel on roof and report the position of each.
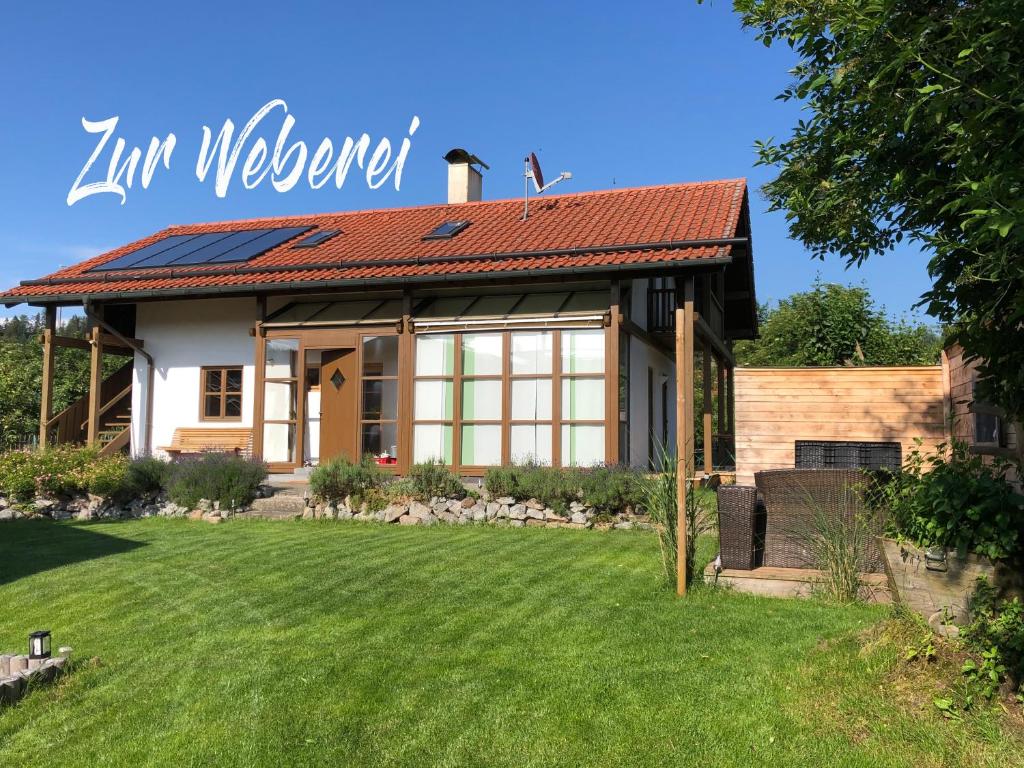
(181, 252)
(446, 230)
(261, 244)
(129, 259)
(320, 236)
(228, 244)
(205, 248)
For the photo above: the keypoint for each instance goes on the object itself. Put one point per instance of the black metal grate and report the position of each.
(822, 454)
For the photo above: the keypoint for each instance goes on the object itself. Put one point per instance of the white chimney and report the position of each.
(465, 182)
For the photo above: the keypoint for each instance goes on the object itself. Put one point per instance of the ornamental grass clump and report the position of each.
(660, 493)
(839, 548)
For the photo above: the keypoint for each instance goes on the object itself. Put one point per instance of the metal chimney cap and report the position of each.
(459, 155)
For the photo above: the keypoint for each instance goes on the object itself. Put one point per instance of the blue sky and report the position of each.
(622, 94)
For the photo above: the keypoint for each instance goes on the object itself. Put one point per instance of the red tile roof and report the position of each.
(588, 230)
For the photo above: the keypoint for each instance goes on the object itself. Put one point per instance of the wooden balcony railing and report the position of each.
(661, 310)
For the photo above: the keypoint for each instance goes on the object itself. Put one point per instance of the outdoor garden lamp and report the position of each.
(39, 644)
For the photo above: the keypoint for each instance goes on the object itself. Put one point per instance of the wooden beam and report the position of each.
(611, 347)
(635, 330)
(722, 421)
(95, 385)
(684, 422)
(705, 357)
(46, 399)
(110, 343)
(704, 332)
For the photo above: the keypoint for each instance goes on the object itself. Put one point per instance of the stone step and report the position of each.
(278, 507)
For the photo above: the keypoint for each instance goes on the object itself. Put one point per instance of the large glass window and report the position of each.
(483, 398)
(482, 357)
(378, 411)
(433, 398)
(280, 400)
(583, 403)
(530, 432)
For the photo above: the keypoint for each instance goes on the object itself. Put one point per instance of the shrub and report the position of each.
(225, 478)
(148, 474)
(109, 477)
(433, 478)
(996, 632)
(553, 487)
(339, 477)
(959, 502)
(610, 489)
(63, 471)
(502, 481)
(613, 489)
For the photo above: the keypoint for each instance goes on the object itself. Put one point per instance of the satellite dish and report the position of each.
(538, 175)
(534, 172)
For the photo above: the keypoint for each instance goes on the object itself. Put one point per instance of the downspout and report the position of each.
(150, 373)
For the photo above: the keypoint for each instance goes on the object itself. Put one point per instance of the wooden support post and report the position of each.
(730, 402)
(95, 384)
(406, 355)
(708, 425)
(722, 408)
(684, 422)
(612, 384)
(46, 400)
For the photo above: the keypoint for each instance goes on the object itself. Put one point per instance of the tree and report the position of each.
(915, 128)
(836, 325)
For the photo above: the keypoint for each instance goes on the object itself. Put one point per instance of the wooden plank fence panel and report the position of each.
(775, 407)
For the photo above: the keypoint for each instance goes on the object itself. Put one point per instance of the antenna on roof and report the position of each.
(534, 173)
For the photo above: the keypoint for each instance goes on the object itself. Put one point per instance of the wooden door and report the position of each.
(339, 417)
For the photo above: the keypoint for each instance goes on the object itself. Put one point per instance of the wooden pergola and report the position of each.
(81, 421)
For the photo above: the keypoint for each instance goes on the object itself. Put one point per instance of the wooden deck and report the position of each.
(790, 582)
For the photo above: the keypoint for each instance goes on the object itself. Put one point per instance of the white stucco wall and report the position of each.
(183, 336)
(642, 357)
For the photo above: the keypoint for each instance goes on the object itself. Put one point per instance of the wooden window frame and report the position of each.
(311, 339)
(329, 338)
(461, 378)
(980, 408)
(609, 379)
(298, 386)
(550, 377)
(222, 394)
(361, 394)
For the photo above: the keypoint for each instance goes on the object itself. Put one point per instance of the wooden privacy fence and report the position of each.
(776, 407)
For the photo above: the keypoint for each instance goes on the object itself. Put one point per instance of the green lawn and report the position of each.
(263, 643)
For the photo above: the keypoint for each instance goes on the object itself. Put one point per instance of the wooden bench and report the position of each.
(191, 440)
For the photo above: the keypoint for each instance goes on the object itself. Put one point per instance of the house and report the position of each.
(982, 426)
(461, 331)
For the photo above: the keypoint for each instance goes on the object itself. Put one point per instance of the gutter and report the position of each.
(169, 274)
(305, 285)
(151, 367)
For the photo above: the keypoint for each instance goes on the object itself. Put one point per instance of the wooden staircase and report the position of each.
(115, 418)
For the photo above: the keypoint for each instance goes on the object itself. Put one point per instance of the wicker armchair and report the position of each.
(738, 527)
(794, 496)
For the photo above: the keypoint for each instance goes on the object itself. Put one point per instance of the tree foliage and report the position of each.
(915, 127)
(836, 325)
